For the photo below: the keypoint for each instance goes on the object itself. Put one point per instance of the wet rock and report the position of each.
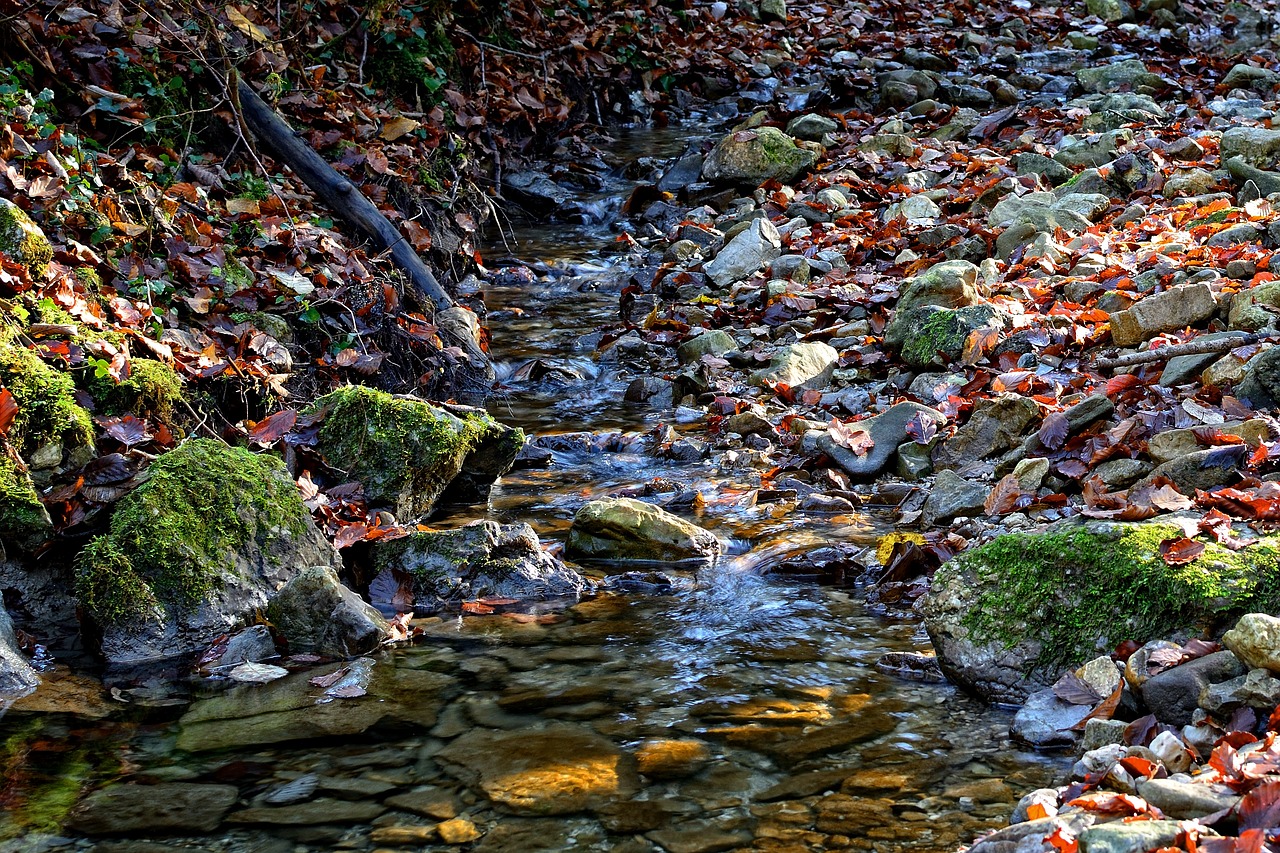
(1257, 146)
(671, 759)
(457, 831)
(807, 365)
(1045, 799)
(480, 559)
(930, 335)
(1138, 837)
(1099, 733)
(1130, 74)
(191, 553)
(846, 815)
(403, 836)
(748, 158)
(715, 342)
(1168, 311)
(17, 677)
(1260, 384)
(1255, 640)
(750, 251)
(429, 802)
(1006, 616)
(1174, 695)
(22, 240)
(165, 808)
(1186, 800)
(950, 284)
(252, 645)
(951, 496)
(628, 529)
(699, 837)
(998, 424)
(535, 192)
(1046, 721)
(410, 455)
(292, 708)
(559, 769)
(887, 431)
(911, 666)
(321, 811)
(1029, 836)
(315, 613)
(1256, 689)
(870, 724)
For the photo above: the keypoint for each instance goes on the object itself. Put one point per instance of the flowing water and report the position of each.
(742, 711)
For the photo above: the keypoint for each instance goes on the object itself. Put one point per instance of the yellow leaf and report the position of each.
(246, 26)
(243, 205)
(398, 127)
(885, 546)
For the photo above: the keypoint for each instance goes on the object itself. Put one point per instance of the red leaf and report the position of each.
(271, 429)
(1180, 550)
(1260, 808)
(476, 608)
(350, 535)
(857, 440)
(127, 430)
(1123, 382)
(1053, 432)
(8, 411)
(922, 429)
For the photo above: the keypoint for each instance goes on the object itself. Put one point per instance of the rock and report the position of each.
(17, 677)
(1051, 170)
(1030, 835)
(930, 335)
(292, 709)
(1044, 798)
(1255, 640)
(480, 559)
(1189, 182)
(811, 127)
(1045, 721)
(746, 254)
(1260, 383)
(1251, 77)
(1203, 469)
(699, 837)
(1099, 733)
(22, 241)
(1045, 211)
(1092, 150)
(457, 831)
(1173, 309)
(1266, 182)
(1173, 443)
(1130, 74)
(1114, 110)
(1138, 837)
(628, 529)
(916, 208)
(1250, 308)
(748, 158)
(1183, 369)
(1031, 473)
(773, 10)
(1006, 616)
(1256, 689)
(195, 550)
(316, 614)
(1186, 800)
(952, 496)
(321, 811)
(410, 455)
(560, 769)
(403, 836)
(1122, 473)
(1110, 11)
(252, 645)
(535, 192)
(997, 425)
(165, 808)
(671, 759)
(887, 431)
(950, 284)
(1257, 146)
(1174, 694)
(806, 365)
(714, 342)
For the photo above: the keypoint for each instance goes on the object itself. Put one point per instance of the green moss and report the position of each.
(23, 518)
(89, 278)
(152, 390)
(942, 332)
(172, 539)
(1119, 587)
(22, 240)
(47, 410)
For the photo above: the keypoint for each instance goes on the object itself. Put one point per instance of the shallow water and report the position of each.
(743, 712)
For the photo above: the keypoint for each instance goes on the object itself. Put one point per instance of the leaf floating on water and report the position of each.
(257, 673)
(330, 679)
(347, 691)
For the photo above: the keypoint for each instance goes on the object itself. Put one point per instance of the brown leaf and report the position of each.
(1180, 550)
(1075, 690)
(271, 429)
(1053, 432)
(857, 440)
(1007, 496)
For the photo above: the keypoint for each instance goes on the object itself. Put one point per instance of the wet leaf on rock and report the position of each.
(1180, 550)
(1073, 689)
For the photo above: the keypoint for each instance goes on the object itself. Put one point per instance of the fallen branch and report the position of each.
(348, 202)
(1196, 347)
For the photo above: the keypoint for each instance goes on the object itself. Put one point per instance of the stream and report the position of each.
(741, 713)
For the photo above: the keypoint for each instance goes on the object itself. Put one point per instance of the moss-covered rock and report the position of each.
(22, 240)
(480, 559)
(409, 454)
(751, 157)
(932, 335)
(204, 542)
(315, 613)
(47, 410)
(152, 390)
(23, 519)
(1008, 616)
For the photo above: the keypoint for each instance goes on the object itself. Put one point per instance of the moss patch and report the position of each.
(47, 410)
(1070, 588)
(23, 518)
(153, 389)
(22, 240)
(173, 539)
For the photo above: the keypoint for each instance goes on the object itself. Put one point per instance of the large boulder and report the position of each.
(410, 455)
(17, 678)
(887, 430)
(22, 240)
(1257, 146)
(748, 158)
(950, 284)
(477, 560)
(628, 529)
(206, 541)
(1260, 385)
(1007, 616)
(1168, 311)
(315, 613)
